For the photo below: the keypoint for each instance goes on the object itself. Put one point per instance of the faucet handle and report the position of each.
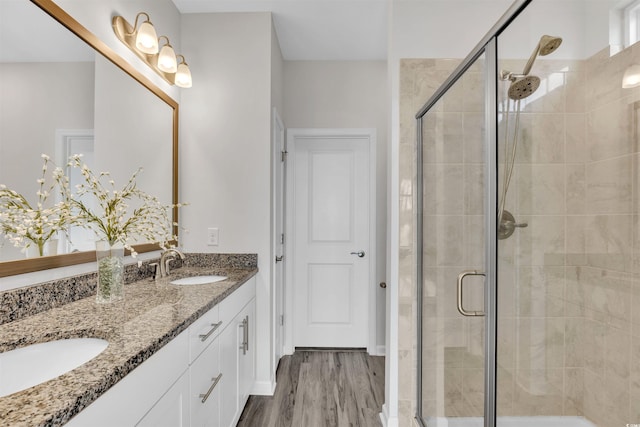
(156, 269)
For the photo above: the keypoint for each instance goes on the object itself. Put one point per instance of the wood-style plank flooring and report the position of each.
(321, 389)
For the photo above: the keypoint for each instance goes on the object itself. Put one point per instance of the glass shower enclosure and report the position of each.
(527, 223)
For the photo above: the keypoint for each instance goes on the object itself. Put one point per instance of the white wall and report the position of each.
(346, 94)
(225, 149)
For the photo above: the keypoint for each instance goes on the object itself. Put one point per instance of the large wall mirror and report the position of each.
(63, 92)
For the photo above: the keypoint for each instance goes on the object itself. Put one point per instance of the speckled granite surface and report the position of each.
(151, 314)
(18, 303)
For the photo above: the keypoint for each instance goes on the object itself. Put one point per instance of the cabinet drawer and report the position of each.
(233, 304)
(205, 386)
(203, 331)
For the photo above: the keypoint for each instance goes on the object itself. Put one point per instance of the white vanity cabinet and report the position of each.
(202, 378)
(237, 357)
(204, 398)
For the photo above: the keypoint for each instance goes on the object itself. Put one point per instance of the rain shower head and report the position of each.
(547, 45)
(522, 87)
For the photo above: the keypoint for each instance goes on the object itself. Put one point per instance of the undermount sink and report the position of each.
(34, 364)
(198, 280)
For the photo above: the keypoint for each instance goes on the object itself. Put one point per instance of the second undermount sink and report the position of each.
(34, 364)
(198, 280)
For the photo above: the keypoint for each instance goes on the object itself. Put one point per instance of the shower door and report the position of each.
(453, 153)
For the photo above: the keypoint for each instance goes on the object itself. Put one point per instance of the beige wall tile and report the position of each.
(576, 226)
(603, 77)
(538, 392)
(576, 138)
(594, 341)
(635, 379)
(474, 90)
(575, 179)
(573, 391)
(540, 343)
(542, 242)
(541, 189)
(609, 186)
(609, 242)
(574, 342)
(541, 291)
(610, 131)
(617, 354)
(474, 137)
(575, 79)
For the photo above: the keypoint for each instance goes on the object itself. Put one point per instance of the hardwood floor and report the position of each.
(321, 389)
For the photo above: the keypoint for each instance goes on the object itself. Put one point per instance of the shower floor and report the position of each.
(511, 422)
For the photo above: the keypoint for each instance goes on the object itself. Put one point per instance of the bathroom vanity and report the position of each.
(177, 355)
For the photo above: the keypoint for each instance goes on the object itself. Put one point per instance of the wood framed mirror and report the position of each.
(135, 123)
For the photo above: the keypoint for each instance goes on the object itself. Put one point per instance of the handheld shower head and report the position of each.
(546, 45)
(549, 44)
(521, 88)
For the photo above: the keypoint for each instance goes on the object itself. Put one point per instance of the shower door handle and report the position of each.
(461, 277)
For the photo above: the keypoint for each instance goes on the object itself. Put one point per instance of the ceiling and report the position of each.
(315, 29)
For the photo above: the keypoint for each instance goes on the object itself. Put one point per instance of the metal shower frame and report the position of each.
(487, 46)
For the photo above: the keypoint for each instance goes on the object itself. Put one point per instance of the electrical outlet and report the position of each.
(213, 236)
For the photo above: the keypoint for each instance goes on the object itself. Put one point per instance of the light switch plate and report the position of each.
(213, 236)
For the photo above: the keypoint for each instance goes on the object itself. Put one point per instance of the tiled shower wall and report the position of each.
(569, 318)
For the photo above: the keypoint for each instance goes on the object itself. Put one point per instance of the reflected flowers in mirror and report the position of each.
(35, 225)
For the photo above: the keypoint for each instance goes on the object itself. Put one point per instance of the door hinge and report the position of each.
(282, 239)
(282, 320)
(283, 155)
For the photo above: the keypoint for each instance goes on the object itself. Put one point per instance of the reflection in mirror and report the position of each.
(46, 90)
(59, 96)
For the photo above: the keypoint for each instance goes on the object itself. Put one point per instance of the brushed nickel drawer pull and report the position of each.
(203, 337)
(244, 346)
(215, 380)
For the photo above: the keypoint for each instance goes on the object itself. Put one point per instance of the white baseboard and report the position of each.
(386, 420)
(263, 388)
(381, 350)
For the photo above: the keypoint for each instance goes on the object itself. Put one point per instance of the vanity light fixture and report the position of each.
(183, 75)
(631, 77)
(145, 44)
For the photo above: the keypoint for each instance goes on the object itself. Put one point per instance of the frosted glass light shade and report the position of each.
(183, 76)
(631, 77)
(146, 39)
(167, 59)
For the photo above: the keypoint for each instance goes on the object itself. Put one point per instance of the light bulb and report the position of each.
(167, 59)
(183, 76)
(146, 39)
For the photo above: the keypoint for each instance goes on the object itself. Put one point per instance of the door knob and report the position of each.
(359, 253)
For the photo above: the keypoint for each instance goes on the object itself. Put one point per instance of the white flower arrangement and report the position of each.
(113, 220)
(24, 224)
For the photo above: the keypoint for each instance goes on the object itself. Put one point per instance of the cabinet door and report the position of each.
(230, 340)
(247, 358)
(206, 382)
(172, 410)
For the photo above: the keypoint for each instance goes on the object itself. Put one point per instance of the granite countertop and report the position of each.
(151, 314)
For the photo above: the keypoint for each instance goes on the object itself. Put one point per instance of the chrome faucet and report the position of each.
(165, 259)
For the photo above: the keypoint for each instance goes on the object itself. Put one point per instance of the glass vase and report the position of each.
(110, 259)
